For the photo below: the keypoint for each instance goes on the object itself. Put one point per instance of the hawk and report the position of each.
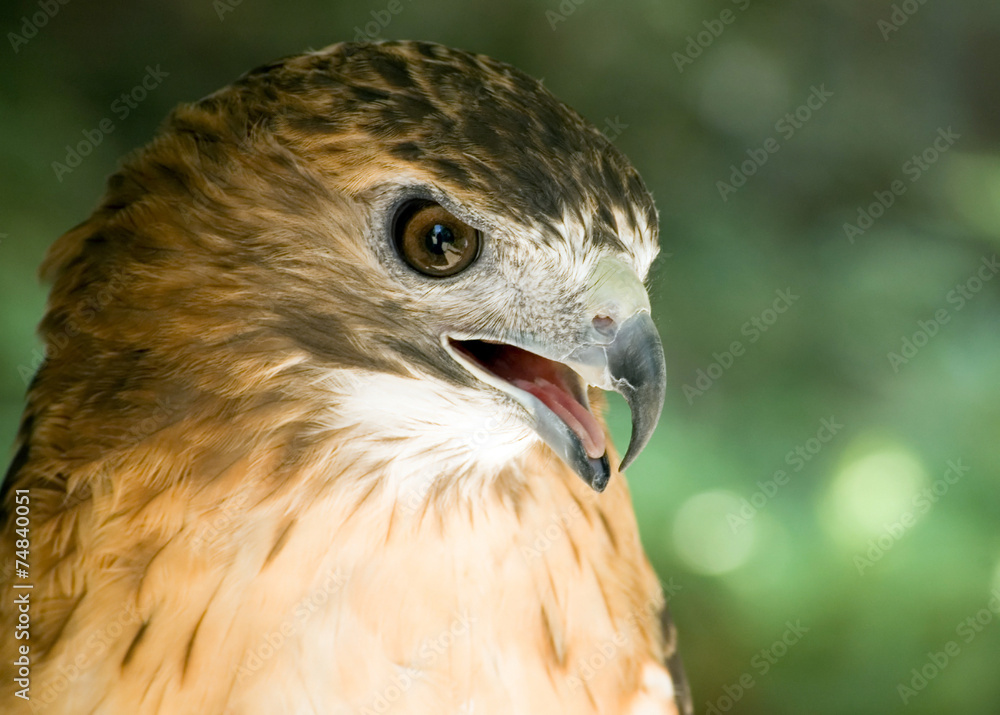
(318, 429)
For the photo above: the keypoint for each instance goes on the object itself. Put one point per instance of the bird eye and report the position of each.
(433, 241)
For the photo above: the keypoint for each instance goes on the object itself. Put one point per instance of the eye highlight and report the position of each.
(434, 242)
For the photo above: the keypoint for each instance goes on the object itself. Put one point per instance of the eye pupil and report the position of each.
(439, 239)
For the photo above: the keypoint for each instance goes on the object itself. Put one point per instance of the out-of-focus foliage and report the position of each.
(839, 549)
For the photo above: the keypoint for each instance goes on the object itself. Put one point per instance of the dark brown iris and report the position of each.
(433, 241)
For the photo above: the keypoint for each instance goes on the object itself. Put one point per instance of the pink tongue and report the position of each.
(576, 416)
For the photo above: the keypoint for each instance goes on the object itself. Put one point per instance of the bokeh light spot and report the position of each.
(705, 538)
(872, 492)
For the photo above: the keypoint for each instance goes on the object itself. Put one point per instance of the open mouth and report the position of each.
(552, 383)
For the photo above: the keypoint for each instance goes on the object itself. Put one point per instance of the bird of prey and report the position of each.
(318, 426)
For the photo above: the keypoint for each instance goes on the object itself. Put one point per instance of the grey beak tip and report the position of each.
(600, 473)
(639, 364)
(627, 459)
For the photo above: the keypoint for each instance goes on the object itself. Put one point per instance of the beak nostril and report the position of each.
(605, 326)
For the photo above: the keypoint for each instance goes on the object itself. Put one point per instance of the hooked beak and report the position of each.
(620, 351)
(633, 366)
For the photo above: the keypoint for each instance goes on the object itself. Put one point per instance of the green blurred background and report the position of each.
(841, 573)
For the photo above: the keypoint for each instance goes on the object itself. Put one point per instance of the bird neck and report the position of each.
(288, 563)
